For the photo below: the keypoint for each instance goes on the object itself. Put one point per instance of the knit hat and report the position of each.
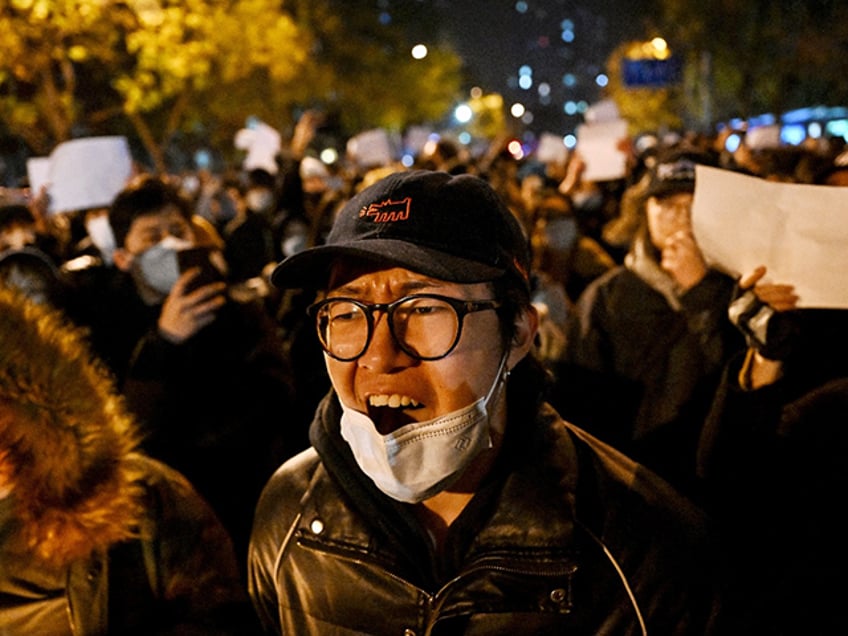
(454, 228)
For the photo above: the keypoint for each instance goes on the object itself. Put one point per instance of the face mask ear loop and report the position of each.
(500, 377)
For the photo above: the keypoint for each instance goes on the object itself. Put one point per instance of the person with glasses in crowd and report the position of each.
(441, 494)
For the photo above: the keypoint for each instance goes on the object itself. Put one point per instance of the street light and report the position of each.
(659, 49)
(463, 113)
(650, 64)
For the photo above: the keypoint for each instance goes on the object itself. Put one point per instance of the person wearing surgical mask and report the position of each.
(145, 229)
(205, 374)
(149, 253)
(442, 494)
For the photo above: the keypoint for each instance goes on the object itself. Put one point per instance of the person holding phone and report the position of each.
(205, 374)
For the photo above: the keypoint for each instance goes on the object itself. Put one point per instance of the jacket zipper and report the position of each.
(434, 601)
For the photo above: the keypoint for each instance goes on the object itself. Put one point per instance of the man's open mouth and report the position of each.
(390, 412)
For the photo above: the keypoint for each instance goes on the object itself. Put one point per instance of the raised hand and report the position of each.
(185, 313)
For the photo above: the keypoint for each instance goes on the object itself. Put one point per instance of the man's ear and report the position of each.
(122, 259)
(526, 327)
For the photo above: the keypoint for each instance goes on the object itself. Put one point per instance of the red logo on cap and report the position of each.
(387, 211)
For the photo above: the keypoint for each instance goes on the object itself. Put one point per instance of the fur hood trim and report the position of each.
(65, 437)
(640, 261)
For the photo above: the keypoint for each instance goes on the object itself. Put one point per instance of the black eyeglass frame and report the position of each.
(460, 306)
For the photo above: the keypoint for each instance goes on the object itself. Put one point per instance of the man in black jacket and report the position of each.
(442, 495)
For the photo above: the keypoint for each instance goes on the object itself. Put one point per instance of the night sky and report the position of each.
(554, 38)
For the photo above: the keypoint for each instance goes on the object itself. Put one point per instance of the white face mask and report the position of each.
(259, 200)
(422, 458)
(158, 265)
(101, 235)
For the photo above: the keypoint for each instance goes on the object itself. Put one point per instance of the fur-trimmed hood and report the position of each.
(642, 262)
(65, 437)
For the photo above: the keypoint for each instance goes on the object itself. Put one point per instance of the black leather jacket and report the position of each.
(569, 537)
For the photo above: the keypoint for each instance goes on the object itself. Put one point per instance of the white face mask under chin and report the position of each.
(422, 458)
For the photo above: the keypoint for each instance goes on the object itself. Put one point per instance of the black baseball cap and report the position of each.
(451, 227)
(674, 171)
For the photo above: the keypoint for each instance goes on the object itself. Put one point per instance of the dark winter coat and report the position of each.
(642, 361)
(567, 537)
(216, 407)
(773, 464)
(96, 538)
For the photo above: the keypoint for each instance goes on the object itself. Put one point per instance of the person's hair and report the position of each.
(15, 214)
(261, 178)
(147, 194)
(514, 299)
(529, 381)
(642, 234)
(33, 273)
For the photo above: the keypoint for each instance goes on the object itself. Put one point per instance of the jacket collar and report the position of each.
(526, 505)
(640, 261)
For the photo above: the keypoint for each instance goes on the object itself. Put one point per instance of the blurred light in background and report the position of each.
(329, 155)
(515, 148)
(463, 113)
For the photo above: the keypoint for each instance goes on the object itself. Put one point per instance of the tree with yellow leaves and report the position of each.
(153, 68)
(69, 65)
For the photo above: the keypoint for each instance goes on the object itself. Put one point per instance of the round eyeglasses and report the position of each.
(424, 326)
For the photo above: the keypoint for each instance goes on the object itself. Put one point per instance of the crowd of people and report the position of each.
(477, 395)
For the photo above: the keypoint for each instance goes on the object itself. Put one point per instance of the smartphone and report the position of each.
(203, 258)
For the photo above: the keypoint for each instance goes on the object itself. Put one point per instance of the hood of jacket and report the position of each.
(65, 437)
